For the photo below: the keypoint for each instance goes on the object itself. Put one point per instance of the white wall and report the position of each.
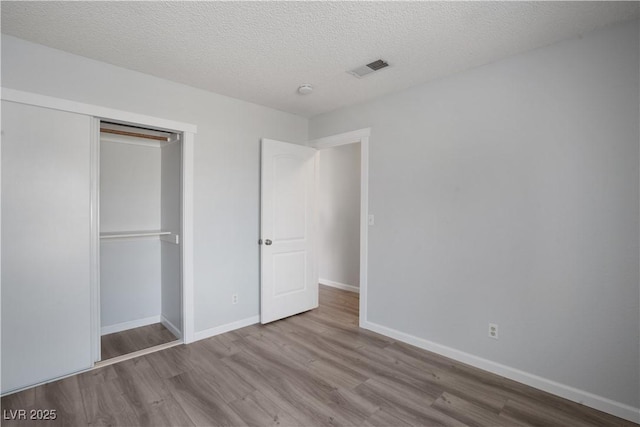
(509, 194)
(130, 183)
(129, 281)
(129, 187)
(226, 160)
(339, 215)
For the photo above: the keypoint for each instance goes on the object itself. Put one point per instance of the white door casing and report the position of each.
(288, 267)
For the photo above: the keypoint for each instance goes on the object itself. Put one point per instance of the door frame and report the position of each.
(357, 136)
(188, 132)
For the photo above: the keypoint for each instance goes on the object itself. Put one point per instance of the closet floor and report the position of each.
(131, 340)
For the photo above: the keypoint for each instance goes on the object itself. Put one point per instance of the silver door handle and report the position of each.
(267, 242)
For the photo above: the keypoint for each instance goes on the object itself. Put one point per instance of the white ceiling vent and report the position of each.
(369, 68)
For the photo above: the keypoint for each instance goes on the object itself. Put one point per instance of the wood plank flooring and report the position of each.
(314, 369)
(125, 342)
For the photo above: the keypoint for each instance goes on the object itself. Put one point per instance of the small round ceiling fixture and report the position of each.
(305, 89)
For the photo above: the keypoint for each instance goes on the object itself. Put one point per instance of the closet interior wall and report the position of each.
(139, 233)
(171, 220)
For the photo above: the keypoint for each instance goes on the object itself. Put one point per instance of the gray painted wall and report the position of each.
(129, 187)
(226, 160)
(129, 280)
(171, 300)
(339, 214)
(509, 194)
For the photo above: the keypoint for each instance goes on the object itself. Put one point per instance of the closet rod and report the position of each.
(138, 135)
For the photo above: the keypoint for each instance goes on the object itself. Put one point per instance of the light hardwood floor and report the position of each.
(314, 369)
(125, 342)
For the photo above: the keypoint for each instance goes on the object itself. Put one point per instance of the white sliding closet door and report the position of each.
(46, 318)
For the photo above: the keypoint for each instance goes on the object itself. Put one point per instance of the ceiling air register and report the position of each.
(369, 68)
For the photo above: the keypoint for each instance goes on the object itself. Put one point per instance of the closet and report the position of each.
(88, 254)
(140, 223)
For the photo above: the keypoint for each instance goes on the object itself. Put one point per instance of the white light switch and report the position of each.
(371, 220)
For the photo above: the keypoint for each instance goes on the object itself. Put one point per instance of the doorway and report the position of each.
(350, 141)
(339, 217)
(60, 164)
(140, 222)
(288, 215)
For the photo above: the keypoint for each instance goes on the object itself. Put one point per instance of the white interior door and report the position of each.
(289, 277)
(46, 252)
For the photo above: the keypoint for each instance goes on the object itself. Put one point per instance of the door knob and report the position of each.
(267, 242)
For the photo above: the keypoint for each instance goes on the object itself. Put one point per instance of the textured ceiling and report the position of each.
(262, 51)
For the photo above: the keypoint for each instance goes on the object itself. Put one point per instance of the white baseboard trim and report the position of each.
(171, 327)
(119, 327)
(339, 285)
(200, 335)
(580, 396)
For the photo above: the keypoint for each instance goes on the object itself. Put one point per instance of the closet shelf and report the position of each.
(130, 234)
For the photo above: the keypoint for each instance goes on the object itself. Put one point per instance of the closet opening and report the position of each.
(140, 251)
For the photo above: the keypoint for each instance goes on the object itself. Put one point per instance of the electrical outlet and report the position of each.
(234, 299)
(493, 331)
